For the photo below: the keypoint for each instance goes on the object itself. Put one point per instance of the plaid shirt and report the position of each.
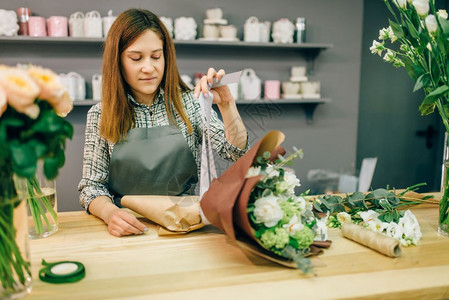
(98, 151)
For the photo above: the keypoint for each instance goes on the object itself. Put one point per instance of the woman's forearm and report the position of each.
(235, 130)
(102, 207)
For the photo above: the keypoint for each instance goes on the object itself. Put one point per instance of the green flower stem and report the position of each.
(444, 203)
(11, 260)
(39, 204)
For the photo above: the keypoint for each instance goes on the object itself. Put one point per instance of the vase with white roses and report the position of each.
(422, 32)
(32, 128)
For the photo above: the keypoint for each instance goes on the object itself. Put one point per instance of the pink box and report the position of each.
(36, 26)
(272, 89)
(57, 26)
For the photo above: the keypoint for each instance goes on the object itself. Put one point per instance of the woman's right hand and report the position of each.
(121, 223)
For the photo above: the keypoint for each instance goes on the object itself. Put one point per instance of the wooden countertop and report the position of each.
(206, 265)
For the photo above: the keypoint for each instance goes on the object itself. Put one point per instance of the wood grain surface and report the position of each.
(205, 264)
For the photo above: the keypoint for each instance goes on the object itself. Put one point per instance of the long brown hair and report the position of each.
(117, 116)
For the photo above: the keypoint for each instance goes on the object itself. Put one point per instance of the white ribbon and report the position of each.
(208, 171)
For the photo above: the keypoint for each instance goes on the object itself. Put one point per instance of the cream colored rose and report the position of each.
(343, 217)
(51, 88)
(64, 105)
(21, 90)
(3, 103)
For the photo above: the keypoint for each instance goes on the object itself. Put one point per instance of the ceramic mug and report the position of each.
(76, 24)
(290, 88)
(96, 87)
(272, 89)
(211, 31)
(298, 71)
(57, 26)
(310, 88)
(36, 26)
(93, 26)
(251, 30)
(228, 31)
(107, 22)
(80, 85)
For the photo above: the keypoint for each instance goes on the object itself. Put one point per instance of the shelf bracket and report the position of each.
(309, 109)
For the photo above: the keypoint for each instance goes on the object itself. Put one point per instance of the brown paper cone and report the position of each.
(374, 240)
(175, 213)
(218, 202)
(225, 203)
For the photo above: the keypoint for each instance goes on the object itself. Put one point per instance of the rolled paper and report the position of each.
(371, 239)
(175, 213)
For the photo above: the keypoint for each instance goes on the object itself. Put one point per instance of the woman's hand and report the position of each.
(222, 95)
(121, 223)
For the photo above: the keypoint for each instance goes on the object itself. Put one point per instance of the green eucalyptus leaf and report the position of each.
(317, 206)
(266, 154)
(356, 199)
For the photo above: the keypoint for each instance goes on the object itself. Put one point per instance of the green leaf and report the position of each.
(428, 104)
(412, 30)
(317, 206)
(413, 70)
(422, 81)
(266, 154)
(397, 29)
(444, 25)
(357, 199)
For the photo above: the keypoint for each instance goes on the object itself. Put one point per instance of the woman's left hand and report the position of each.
(222, 94)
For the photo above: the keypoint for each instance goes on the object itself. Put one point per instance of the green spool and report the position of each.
(62, 271)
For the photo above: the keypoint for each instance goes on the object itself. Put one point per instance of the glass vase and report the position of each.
(15, 270)
(443, 217)
(42, 205)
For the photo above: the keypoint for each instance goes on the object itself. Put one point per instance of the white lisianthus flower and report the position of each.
(288, 184)
(268, 211)
(377, 48)
(321, 229)
(431, 23)
(271, 172)
(391, 34)
(300, 203)
(343, 217)
(410, 227)
(422, 7)
(429, 46)
(383, 34)
(368, 215)
(394, 230)
(410, 2)
(442, 13)
(401, 3)
(377, 225)
(389, 56)
(293, 226)
(253, 172)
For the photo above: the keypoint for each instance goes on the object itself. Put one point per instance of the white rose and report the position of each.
(253, 172)
(431, 23)
(268, 211)
(368, 215)
(442, 13)
(401, 3)
(422, 7)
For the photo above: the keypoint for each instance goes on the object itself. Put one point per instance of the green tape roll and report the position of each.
(62, 272)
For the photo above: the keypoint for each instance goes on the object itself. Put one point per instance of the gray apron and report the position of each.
(152, 161)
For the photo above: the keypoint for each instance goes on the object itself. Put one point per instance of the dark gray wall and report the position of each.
(389, 118)
(330, 143)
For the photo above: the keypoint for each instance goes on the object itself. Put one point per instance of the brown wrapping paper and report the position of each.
(176, 214)
(374, 240)
(226, 201)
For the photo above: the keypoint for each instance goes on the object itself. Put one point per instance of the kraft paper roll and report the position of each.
(374, 240)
